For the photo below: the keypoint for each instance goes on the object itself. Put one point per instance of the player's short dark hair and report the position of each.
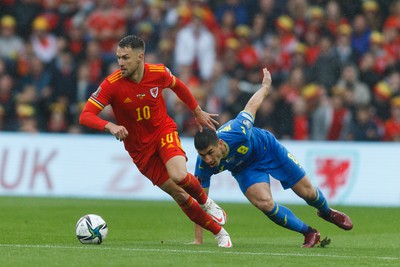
(205, 138)
(132, 41)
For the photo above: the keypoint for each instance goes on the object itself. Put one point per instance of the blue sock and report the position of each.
(320, 203)
(286, 218)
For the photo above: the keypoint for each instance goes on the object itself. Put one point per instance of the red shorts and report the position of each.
(152, 164)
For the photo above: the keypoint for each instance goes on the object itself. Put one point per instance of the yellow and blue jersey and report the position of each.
(253, 155)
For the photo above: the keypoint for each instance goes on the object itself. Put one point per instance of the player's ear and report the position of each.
(141, 56)
(220, 142)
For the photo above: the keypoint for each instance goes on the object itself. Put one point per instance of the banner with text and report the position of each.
(97, 166)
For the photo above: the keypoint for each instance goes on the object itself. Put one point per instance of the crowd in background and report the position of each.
(334, 64)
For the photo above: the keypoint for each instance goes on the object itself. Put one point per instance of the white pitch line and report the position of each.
(200, 251)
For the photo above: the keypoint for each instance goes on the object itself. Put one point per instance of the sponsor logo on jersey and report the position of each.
(127, 100)
(140, 96)
(154, 92)
(231, 159)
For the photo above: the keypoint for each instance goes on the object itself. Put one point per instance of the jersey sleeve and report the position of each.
(95, 104)
(203, 173)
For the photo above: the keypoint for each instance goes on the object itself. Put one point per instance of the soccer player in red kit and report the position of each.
(150, 136)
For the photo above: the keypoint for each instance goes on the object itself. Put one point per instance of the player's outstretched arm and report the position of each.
(255, 101)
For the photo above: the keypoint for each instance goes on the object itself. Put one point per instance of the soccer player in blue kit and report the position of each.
(252, 154)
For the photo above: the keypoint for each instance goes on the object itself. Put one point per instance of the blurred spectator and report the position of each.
(298, 60)
(38, 76)
(220, 81)
(63, 77)
(297, 12)
(271, 58)
(135, 12)
(11, 45)
(367, 73)
(240, 10)
(270, 10)
(382, 59)
(372, 13)
(230, 59)
(195, 47)
(57, 51)
(391, 39)
(301, 127)
(44, 43)
(364, 127)
(334, 17)
(258, 31)
(343, 49)
(235, 101)
(266, 117)
(58, 116)
(95, 61)
(107, 25)
(27, 109)
(25, 11)
(7, 104)
(75, 36)
(327, 67)
(225, 31)
(360, 35)
(331, 120)
(312, 47)
(146, 31)
(247, 53)
(289, 92)
(287, 41)
(382, 95)
(316, 20)
(356, 92)
(392, 125)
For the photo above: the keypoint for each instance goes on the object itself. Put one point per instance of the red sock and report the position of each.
(192, 209)
(192, 186)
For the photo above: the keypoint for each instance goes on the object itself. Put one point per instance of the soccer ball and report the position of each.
(91, 229)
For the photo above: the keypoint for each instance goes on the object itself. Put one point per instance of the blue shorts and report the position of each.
(288, 173)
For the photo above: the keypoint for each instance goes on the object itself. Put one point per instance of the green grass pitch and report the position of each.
(41, 232)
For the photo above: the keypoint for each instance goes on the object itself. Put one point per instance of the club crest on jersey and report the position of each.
(154, 92)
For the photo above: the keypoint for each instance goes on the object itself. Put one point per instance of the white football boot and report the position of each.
(224, 241)
(216, 213)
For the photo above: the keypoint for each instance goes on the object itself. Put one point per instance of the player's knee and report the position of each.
(178, 176)
(265, 204)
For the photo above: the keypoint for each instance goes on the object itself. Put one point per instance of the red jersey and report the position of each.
(139, 107)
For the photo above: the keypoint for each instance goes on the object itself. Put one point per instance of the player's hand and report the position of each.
(195, 242)
(266, 82)
(203, 118)
(118, 131)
